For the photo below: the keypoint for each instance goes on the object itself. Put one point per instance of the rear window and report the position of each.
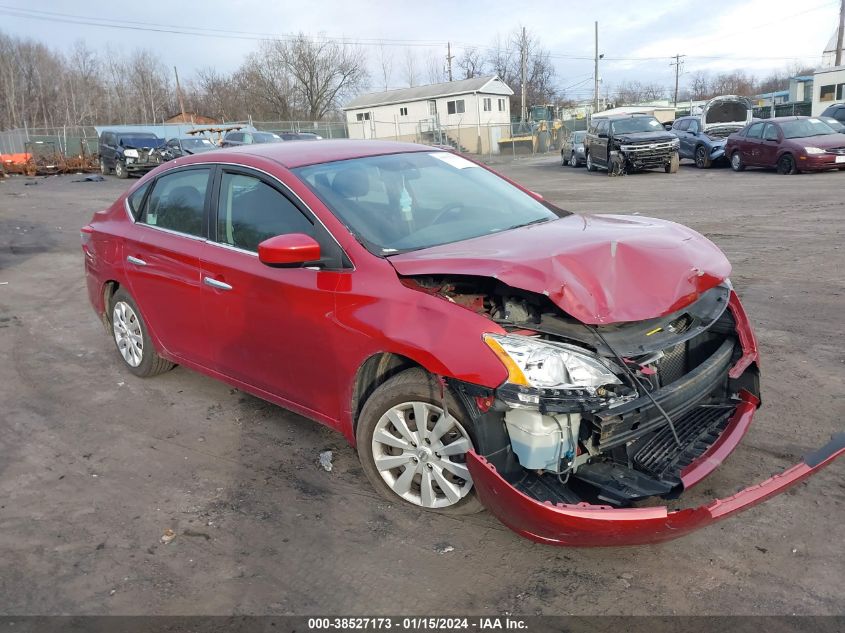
(136, 200)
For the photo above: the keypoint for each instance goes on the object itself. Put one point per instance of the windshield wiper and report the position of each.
(519, 226)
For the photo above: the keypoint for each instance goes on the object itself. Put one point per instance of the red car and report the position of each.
(791, 144)
(478, 345)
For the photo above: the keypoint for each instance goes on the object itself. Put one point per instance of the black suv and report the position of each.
(630, 142)
(129, 152)
(836, 111)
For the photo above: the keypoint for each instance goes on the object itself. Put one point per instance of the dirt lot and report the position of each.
(96, 464)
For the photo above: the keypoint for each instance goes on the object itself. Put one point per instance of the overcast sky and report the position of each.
(637, 38)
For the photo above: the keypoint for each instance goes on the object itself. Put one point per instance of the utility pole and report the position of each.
(523, 53)
(179, 95)
(839, 34)
(677, 64)
(449, 58)
(596, 73)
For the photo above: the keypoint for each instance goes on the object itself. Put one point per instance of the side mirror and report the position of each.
(293, 249)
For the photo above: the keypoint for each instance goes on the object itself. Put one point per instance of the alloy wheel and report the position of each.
(573, 162)
(127, 333)
(700, 157)
(420, 453)
(736, 161)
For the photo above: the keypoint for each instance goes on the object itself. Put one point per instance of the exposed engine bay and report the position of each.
(600, 413)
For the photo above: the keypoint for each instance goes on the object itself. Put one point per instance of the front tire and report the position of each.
(736, 162)
(674, 164)
(786, 165)
(120, 170)
(573, 160)
(132, 338)
(410, 451)
(702, 157)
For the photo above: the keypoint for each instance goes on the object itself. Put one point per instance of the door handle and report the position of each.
(219, 285)
(136, 261)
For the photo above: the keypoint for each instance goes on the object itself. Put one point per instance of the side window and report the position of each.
(681, 125)
(771, 133)
(136, 199)
(247, 138)
(177, 202)
(237, 136)
(604, 127)
(693, 126)
(249, 211)
(755, 131)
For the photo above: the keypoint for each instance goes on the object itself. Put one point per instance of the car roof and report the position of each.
(295, 155)
(633, 115)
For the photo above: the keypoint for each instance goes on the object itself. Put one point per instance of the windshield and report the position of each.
(266, 137)
(802, 128)
(636, 124)
(141, 140)
(578, 137)
(197, 143)
(405, 202)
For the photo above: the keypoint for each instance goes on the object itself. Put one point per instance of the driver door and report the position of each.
(599, 147)
(269, 328)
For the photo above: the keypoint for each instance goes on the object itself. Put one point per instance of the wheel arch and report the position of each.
(374, 372)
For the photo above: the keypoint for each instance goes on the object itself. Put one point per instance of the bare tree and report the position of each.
(699, 85)
(410, 68)
(435, 68)
(471, 63)
(385, 64)
(324, 73)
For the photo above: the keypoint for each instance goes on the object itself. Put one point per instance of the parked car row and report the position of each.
(128, 153)
(724, 130)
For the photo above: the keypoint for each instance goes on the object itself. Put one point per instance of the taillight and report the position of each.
(85, 234)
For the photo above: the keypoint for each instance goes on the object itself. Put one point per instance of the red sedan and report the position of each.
(478, 345)
(790, 144)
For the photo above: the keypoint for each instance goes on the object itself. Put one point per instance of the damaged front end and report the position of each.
(596, 421)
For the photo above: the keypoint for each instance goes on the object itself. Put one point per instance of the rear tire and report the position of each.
(736, 162)
(410, 468)
(590, 166)
(103, 169)
(563, 161)
(702, 158)
(132, 338)
(786, 165)
(120, 170)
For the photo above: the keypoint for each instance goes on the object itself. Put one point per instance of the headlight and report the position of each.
(814, 150)
(676, 142)
(542, 365)
(130, 153)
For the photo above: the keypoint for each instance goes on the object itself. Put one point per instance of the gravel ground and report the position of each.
(95, 464)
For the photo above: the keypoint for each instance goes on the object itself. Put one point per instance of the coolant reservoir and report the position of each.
(541, 441)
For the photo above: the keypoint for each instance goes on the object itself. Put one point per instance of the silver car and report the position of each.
(572, 152)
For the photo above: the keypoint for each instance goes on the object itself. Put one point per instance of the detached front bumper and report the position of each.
(585, 524)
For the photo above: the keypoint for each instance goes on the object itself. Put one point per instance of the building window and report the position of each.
(363, 116)
(501, 105)
(488, 104)
(840, 92)
(827, 92)
(455, 107)
(403, 111)
(432, 108)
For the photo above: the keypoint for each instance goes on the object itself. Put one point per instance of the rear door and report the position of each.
(269, 327)
(162, 260)
(600, 143)
(680, 128)
(750, 144)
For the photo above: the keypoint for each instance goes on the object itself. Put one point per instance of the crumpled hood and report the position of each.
(597, 268)
(641, 137)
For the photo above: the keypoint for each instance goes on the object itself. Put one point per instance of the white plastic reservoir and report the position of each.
(541, 441)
